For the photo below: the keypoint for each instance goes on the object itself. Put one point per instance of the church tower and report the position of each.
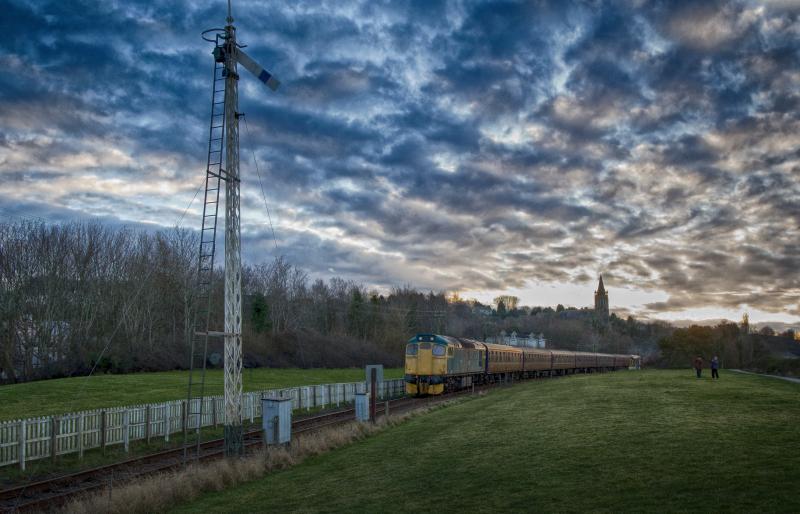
(601, 301)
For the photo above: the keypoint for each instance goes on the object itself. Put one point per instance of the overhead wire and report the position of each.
(126, 310)
(261, 184)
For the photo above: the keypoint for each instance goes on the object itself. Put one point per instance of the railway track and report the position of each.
(57, 491)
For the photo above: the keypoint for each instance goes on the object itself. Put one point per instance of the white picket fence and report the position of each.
(26, 440)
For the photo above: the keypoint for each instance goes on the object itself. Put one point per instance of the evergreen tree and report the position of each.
(259, 314)
(355, 314)
(501, 309)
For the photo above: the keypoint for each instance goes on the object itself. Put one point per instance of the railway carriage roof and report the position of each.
(539, 351)
(463, 342)
(502, 348)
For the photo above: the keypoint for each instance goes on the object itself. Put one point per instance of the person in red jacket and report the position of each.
(698, 365)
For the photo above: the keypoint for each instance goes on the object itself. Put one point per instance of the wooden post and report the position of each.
(147, 423)
(80, 435)
(125, 428)
(252, 407)
(103, 424)
(167, 421)
(386, 410)
(184, 415)
(214, 410)
(373, 393)
(53, 437)
(21, 439)
(299, 398)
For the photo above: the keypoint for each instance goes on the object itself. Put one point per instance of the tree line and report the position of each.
(736, 345)
(78, 297)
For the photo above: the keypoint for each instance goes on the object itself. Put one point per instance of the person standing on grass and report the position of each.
(715, 368)
(698, 365)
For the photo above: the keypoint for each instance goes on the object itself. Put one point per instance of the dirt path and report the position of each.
(790, 379)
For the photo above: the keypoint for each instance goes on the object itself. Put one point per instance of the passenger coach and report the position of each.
(435, 363)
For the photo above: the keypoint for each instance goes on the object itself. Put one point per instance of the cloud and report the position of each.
(451, 145)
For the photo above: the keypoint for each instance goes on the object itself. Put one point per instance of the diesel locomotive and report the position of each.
(435, 363)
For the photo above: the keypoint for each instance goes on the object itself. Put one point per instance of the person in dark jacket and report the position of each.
(698, 365)
(715, 368)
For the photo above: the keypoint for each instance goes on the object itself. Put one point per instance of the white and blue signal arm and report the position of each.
(256, 69)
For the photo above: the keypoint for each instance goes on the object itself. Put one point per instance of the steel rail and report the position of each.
(56, 491)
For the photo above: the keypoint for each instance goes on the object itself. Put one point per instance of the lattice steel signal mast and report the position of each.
(223, 139)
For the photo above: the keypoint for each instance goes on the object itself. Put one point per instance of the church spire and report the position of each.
(601, 301)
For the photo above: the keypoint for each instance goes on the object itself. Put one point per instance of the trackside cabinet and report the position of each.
(276, 420)
(362, 407)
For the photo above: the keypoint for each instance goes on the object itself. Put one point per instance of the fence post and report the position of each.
(125, 429)
(252, 406)
(214, 410)
(184, 415)
(167, 421)
(103, 427)
(80, 435)
(21, 439)
(147, 423)
(53, 436)
(299, 397)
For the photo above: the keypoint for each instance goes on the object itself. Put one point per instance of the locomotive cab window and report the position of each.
(438, 350)
(411, 349)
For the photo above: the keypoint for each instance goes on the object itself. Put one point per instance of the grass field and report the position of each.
(656, 441)
(59, 396)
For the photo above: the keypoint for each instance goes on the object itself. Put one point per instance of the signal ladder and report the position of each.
(205, 266)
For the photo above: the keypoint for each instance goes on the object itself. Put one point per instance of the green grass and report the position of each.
(59, 396)
(656, 441)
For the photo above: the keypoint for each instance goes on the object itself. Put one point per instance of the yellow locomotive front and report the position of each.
(426, 364)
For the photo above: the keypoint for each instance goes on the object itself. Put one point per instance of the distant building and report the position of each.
(601, 301)
(531, 341)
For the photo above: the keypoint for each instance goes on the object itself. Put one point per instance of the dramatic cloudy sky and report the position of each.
(483, 147)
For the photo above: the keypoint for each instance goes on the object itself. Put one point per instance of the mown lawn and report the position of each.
(48, 397)
(656, 441)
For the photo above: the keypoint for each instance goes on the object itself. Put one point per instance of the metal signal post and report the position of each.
(233, 252)
(224, 131)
